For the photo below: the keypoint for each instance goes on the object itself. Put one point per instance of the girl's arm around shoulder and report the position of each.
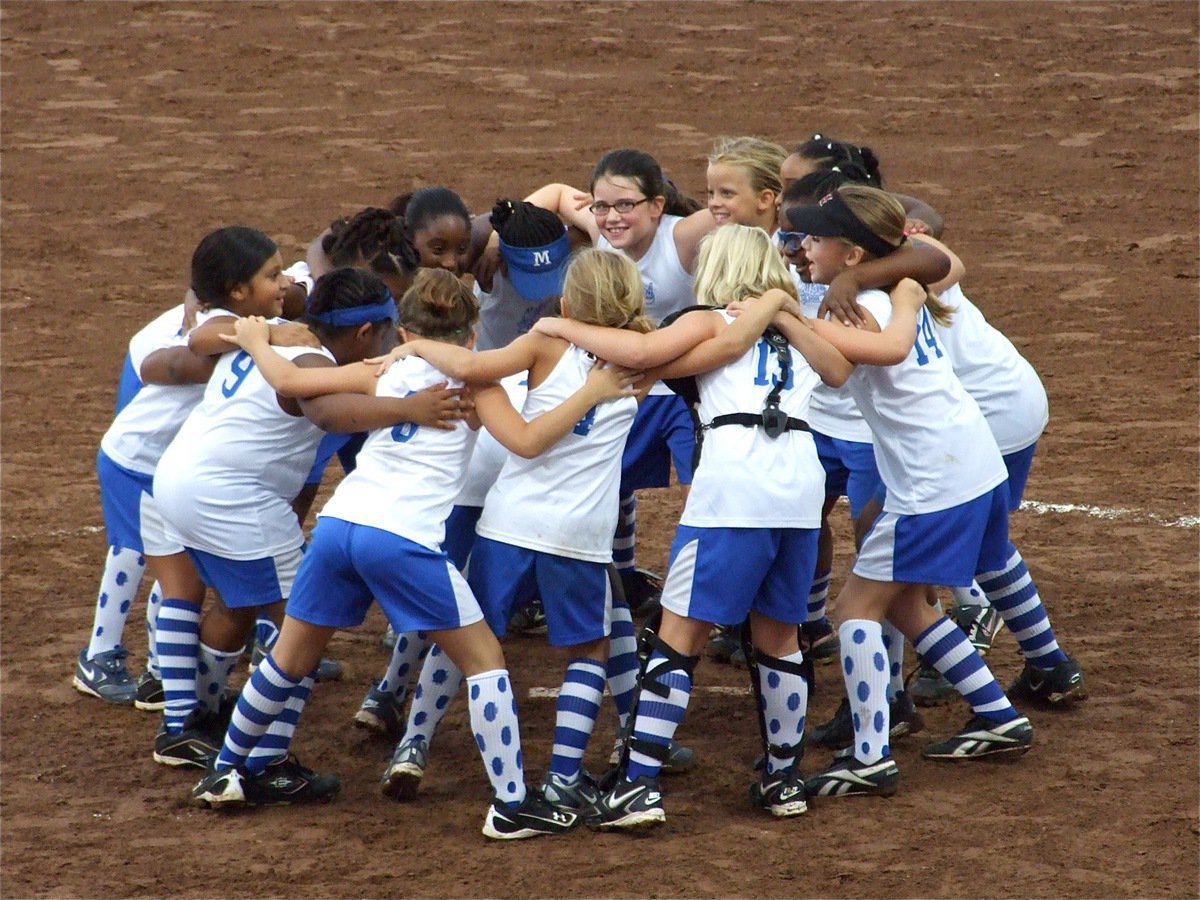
(214, 336)
(529, 439)
(467, 365)
(176, 365)
(302, 377)
(871, 346)
(825, 359)
(921, 261)
(727, 342)
(569, 204)
(688, 235)
(632, 348)
(957, 270)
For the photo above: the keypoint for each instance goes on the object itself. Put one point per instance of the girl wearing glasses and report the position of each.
(636, 210)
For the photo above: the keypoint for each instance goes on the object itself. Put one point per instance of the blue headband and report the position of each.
(358, 315)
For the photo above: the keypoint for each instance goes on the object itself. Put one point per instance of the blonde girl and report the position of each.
(945, 513)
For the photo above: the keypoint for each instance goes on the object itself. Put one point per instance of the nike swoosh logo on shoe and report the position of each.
(620, 799)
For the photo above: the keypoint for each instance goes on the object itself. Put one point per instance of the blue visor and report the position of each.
(537, 272)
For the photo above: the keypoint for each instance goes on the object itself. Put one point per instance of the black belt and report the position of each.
(771, 420)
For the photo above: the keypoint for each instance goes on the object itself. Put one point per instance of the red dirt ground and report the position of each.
(1060, 142)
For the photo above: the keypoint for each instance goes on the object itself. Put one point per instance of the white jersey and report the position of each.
(142, 430)
(1003, 383)
(933, 448)
(564, 501)
(747, 479)
(227, 480)
(489, 454)
(833, 411)
(408, 475)
(504, 315)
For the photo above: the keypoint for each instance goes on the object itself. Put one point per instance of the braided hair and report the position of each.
(826, 153)
(373, 236)
(521, 224)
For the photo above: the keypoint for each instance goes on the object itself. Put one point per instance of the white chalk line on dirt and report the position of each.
(1036, 507)
(1100, 512)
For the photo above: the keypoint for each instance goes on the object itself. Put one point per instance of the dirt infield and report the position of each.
(1059, 141)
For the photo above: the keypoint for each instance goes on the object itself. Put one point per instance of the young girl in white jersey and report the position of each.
(945, 515)
(380, 537)
(634, 209)
(171, 382)
(226, 482)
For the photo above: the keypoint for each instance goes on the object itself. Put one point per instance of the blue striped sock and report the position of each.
(865, 669)
(576, 710)
(178, 647)
(261, 702)
(497, 734)
(785, 704)
(657, 718)
(123, 570)
(409, 651)
(944, 646)
(625, 539)
(153, 604)
(893, 640)
(439, 681)
(818, 595)
(1013, 592)
(277, 740)
(622, 659)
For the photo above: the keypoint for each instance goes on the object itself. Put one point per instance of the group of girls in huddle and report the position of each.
(595, 424)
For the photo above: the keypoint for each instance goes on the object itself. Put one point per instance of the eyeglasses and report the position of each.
(600, 208)
(790, 241)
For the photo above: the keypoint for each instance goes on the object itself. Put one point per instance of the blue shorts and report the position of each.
(245, 583)
(576, 594)
(1018, 465)
(330, 444)
(850, 470)
(720, 574)
(121, 493)
(947, 547)
(348, 565)
(460, 534)
(662, 431)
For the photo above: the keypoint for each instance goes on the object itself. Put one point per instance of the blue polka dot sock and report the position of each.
(622, 659)
(625, 539)
(865, 667)
(970, 596)
(261, 702)
(657, 718)
(494, 721)
(123, 570)
(212, 673)
(1013, 592)
(178, 646)
(944, 646)
(439, 681)
(410, 649)
(818, 595)
(893, 640)
(785, 704)
(265, 631)
(153, 604)
(277, 741)
(575, 715)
